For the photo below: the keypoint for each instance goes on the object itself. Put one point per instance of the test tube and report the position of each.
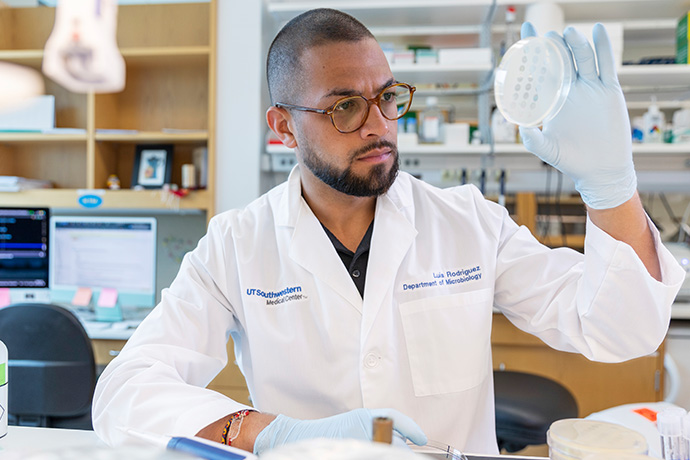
(669, 424)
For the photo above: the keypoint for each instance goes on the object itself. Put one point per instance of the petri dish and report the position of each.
(575, 439)
(532, 81)
(435, 450)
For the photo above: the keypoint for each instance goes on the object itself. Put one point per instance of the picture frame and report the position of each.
(152, 165)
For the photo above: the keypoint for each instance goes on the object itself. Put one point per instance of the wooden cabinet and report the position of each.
(229, 381)
(169, 98)
(596, 386)
(105, 350)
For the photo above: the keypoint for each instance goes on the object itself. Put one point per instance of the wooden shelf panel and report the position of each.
(153, 136)
(112, 199)
(35, 137)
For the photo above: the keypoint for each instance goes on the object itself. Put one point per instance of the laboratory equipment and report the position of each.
(103, 252)
(438, 450)
(3, 390)
(575, 439)
(431, 122)
(199, 447)
(533, 81)
(24, 254)
(669, 424)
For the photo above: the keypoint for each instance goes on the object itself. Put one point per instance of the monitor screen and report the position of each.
(24, 248)
(104, 252)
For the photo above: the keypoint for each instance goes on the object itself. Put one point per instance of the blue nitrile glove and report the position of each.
(357, 424)
(589, 140)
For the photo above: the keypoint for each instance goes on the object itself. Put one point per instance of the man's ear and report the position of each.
(281, 123)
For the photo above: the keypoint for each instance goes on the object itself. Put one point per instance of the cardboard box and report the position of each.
(37, 114)
(682, 39)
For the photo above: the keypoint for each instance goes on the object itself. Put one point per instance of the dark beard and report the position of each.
(376, 183)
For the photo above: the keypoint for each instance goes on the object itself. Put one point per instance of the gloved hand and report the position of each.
(357, 424)
(589, 140)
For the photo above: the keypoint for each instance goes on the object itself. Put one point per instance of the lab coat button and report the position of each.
(371, 360)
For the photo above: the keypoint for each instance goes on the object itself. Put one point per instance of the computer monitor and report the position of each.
(24, 253)
(104, 252)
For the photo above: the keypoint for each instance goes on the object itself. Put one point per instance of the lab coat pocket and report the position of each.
(448, 341)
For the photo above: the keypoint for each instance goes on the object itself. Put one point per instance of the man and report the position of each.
(353, 286)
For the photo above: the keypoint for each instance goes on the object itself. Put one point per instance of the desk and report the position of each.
(19, 438)
(22, 441)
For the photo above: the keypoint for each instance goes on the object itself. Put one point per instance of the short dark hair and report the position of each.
(313, 28)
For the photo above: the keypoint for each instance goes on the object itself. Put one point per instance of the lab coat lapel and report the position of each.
(393, 235)
(310, 246)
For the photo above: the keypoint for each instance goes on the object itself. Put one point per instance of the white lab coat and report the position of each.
(310, 347)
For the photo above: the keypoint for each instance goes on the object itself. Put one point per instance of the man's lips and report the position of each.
(375, 156)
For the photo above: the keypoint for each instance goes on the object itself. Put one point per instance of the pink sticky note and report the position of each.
(108, 298)
(4, 297)
(82, 298)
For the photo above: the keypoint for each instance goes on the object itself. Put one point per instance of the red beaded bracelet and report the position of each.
(229, 432)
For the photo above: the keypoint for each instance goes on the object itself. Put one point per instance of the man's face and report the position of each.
(362, 163)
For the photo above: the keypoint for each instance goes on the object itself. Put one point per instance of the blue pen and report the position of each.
(200, 447)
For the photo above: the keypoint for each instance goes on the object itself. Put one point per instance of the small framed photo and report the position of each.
(152, 165)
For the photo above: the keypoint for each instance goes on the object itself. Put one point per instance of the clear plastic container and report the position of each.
(575, 439)
(533, 81)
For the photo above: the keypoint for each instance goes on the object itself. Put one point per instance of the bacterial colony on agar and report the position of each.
(532, 81)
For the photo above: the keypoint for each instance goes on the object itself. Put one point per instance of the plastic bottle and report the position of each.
(637, 127)
(654, 123)
(668, 423)
(431, 122)
(3, 390)
(504, 132)
(681, 125)
(685, 424)
(511, 35)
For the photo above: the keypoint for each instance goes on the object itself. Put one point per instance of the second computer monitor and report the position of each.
(104, 252)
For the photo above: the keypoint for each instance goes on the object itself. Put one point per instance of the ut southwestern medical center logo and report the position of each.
(289, 294)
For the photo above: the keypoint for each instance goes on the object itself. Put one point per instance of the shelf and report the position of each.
(380, 13)
(416, 73)
(505, 149)
(153, 136)
(173, 55)
(29, 137)
(654, 75)
(112, 199)
(31, 58)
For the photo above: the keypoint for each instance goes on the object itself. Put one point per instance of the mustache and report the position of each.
(380, 144)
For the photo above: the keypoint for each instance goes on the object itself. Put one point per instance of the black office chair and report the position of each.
(526, 405)
(51, 367)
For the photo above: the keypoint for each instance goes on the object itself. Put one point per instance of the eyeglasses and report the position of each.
(350, 113)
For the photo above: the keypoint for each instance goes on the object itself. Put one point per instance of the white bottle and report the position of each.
(681, 126)
(3, 390)
(431, 122)
(504, 132)
(654, 122)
